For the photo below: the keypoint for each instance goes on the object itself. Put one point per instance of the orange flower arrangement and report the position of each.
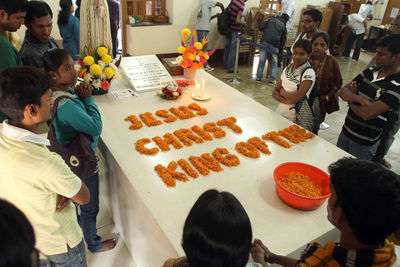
(200, 111)
(210, 162)
(182, 112)
(229, 160)
(161, 143)
(274, 137)
(144, 150)
(165, 175)
(192, 56)
(200, 132)
(187, 137)
(164, 114)
(136, 123)
(170, 139)
(230, 123)
(295, 134)
(187, 168)
(197, 162)
(300, 184)
(247, 150)
(177, 175)
(204, 163)
(149, 119)
(260, 144)
(213, 128)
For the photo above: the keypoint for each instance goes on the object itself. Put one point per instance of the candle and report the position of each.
(197, 88)
(203, 83)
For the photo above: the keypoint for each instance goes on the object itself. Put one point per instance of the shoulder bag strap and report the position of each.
(55, 106)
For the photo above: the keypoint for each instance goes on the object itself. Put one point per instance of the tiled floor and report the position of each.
(117, 257)
(120, 256)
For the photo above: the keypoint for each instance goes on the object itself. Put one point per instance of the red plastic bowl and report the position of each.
(316, 175)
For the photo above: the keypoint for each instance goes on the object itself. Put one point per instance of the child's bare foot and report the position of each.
(108, 244)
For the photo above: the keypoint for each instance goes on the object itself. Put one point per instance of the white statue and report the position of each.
(94, 26)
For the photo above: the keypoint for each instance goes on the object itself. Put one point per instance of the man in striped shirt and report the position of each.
(371, 95)
(236, 8)
(35, 180)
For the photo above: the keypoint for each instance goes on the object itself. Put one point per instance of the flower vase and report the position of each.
(98, 91)
(189, 73)
(103, 89)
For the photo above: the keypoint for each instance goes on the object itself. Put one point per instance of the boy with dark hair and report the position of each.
(371, 95)
(17, 246)
(12, 14)
(310, 21)
(365, 206)
(34, 179)
(39, 21)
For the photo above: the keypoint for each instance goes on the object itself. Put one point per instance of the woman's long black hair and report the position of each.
(63, 15)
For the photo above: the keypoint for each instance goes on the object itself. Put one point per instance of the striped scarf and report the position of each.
(332, 255)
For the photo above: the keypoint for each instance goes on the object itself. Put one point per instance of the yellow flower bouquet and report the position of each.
(98, 70)
(192, 54)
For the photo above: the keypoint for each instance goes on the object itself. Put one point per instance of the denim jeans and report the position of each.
(356, 149)
(200, 35)
(349, 44)
(230, 50)
(114, 39)
(88, 214)
(389, 132)
(75, 257)
(263, 58)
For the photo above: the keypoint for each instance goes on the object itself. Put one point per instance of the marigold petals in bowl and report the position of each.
(317, 177)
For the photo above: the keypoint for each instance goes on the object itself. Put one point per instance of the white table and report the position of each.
(150, 216)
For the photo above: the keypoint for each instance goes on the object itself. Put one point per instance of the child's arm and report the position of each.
(276, 93)
(87, 120)
(294, 97)
(269, 256)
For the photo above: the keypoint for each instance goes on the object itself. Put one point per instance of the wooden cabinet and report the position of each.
(144, 10)
(391, 4)
(354, 5)
(338, 35)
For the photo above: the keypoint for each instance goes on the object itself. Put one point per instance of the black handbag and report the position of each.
(308, 110)
(79, 154)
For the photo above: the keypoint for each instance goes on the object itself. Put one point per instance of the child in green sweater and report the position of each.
(73, 116)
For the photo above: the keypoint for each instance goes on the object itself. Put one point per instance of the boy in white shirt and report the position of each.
(358, 25)
(35, 180)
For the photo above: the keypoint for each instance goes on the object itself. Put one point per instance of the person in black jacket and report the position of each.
(273, 39)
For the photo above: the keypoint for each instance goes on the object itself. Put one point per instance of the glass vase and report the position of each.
(189, 73)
